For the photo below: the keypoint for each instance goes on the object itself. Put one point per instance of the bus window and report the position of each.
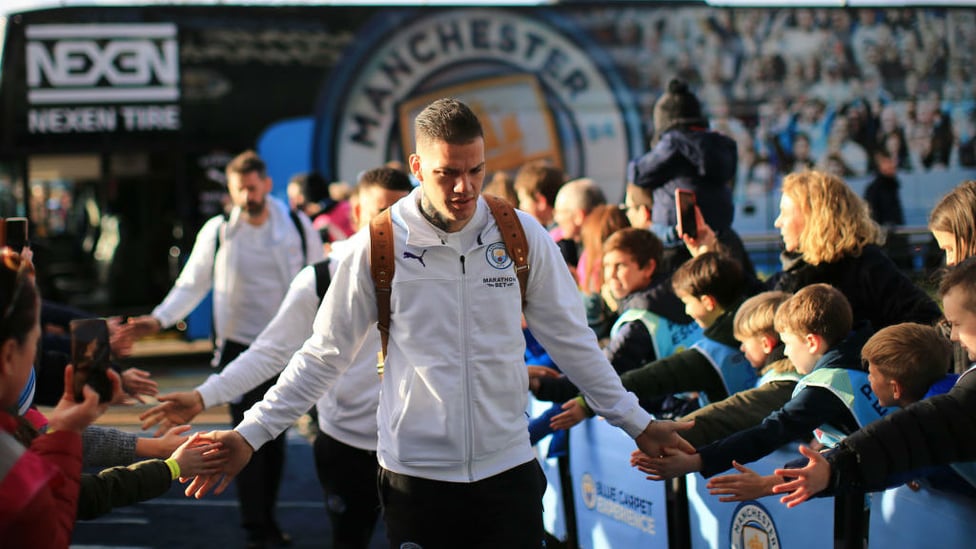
(11, 190)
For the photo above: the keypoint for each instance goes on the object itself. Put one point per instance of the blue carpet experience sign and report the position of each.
(615, 505)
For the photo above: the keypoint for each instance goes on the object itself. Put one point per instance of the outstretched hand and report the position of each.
(742, 486)
(671, 463)
(660, 434)
(197, 456)
(175, 409)
(571, 415)
(239, 453)
(807, 482)
(120, 337)
(136, 382)
(142, 326)
(536, 373)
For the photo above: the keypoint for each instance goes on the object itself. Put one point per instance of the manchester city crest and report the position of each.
(498, 256)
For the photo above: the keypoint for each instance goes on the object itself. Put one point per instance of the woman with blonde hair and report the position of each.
(829, 237)
(953, 223)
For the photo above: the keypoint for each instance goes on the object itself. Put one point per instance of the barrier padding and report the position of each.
(763, 523)
(902, 517)
(615, 505)
(553, 514)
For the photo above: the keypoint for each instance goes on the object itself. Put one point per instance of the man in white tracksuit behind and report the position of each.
(247, 259)
(456, 465)
(345, 447)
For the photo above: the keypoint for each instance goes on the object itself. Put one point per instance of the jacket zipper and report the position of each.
(468, 443)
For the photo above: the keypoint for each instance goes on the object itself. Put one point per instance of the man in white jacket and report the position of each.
(456, 465)
(345, 447)
(248, 259)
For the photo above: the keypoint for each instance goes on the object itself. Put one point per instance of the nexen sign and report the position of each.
(102, 63)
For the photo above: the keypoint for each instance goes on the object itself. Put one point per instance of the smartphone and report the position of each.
(90, 355)
(15, 230)
(684, 202)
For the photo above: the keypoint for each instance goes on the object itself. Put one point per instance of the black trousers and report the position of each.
(258, 482)
(500, 511)
(348, 478)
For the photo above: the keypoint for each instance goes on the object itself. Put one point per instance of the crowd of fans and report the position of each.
(808, 87)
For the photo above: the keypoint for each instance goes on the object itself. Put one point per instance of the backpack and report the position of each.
(382, 263)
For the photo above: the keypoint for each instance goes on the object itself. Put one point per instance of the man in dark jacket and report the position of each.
(686, 155)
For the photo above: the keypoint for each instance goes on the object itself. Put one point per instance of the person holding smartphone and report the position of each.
(686, 155)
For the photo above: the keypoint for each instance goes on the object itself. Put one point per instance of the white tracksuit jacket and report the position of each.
(453, 398)
(209, 268)
(347, 412)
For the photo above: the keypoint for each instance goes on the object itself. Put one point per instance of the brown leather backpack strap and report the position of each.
(513, 235)
(382, 266)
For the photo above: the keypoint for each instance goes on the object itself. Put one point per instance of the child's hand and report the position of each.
(743, 486)
(572, 414)
(120, 337)
(164, 445)
(639, 459)
(806, 482)
(69, 415)
(673, 463)
(538, 372)
(138, 382)
(174, 409)
(199, 456)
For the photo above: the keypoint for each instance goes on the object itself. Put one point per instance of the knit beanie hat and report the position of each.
(677, 107)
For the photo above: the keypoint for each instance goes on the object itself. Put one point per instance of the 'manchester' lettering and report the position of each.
(452, 38)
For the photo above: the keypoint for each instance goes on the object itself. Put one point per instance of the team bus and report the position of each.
(116, 123)
(117, 120)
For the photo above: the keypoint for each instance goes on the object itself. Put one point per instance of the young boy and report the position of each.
(711, 287)
(905, 362)
(936, 431)
(753, 327)
(648, 327)
(833, 397)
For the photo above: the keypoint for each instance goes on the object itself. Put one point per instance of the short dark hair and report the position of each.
(245, 163)
(914, 355)
(387, 178)
(962, 274)
(447, 120)
(313, 186)
(818, 309)
(640, 244)
(542, 178)
(714, 274)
